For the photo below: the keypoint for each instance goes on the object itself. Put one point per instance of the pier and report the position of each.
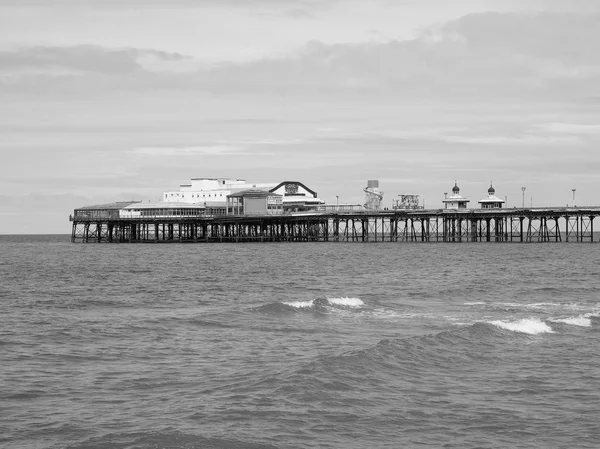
(543, 225)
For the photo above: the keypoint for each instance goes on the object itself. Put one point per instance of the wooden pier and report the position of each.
(475, 225)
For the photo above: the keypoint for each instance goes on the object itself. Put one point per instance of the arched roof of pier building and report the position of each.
(455, 189)
(284, 183)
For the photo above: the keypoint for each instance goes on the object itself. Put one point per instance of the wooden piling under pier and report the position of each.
(501, 225)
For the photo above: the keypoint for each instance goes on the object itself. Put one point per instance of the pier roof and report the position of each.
(255, 193)
(110, 206)
(164, 205)
(491, 199)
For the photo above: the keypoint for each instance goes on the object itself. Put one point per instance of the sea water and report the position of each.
(298, 345)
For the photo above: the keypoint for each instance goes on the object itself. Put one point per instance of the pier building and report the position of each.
(137, 209)
(212, 193)
(492, 201)
(254, 202)
(455, 201)
(296, 196)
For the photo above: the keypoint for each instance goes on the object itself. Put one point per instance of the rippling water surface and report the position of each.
(298, 345)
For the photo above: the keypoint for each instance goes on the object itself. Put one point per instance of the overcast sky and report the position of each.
(106, 100)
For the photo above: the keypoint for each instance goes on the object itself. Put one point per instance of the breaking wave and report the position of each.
(531, 326)
(347, 302)
(335, 302)
(584, 320)
(317, 305)
(581, 320)
(300, 304)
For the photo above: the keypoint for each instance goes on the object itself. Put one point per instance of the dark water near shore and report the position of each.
(298, 345)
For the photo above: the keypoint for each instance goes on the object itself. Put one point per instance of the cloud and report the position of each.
(84, 58)
(569, 38)
(528, 140)
(541, 56)
(89, 70)
(120, 4)
(201, 150)
(570, 128)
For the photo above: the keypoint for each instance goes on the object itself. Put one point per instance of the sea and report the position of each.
(298, 345)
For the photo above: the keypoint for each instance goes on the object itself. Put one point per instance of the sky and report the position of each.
(111, 100)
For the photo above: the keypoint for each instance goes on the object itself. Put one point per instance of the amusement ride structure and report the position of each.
(373, 196)
(407, 201)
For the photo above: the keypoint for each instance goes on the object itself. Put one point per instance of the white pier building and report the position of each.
(455, 201)
(212, 193)
(492, 201)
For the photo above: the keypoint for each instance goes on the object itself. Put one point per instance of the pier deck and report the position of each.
(440, 225)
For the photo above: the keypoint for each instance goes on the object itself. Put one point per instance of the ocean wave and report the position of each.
(280, 308)
(531, 326)
(346, 302)
(168, 439)
(581, 320)
(300, 304)
(535, 305)
(407, 357)
(343, 302)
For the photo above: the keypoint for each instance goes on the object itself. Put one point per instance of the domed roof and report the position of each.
(455, 189)
(491, 190)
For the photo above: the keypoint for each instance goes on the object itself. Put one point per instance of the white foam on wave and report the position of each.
(584, 320)
(535, 305)
(476, 303)
(346, 302)
(382, 313)
(527, 326)
(300, 304)
(581, 320)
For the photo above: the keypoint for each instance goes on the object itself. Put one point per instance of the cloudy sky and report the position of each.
(105, 100)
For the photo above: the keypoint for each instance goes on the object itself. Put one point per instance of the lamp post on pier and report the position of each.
(523, 190)
(573, 196)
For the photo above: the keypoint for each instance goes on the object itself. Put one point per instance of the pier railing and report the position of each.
(439, 225)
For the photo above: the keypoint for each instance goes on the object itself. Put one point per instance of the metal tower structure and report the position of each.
(373, 196)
